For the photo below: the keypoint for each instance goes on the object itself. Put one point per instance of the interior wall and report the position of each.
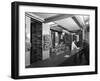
(87, 37)
(27, 41)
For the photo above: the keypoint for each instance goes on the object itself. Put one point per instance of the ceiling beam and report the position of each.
(77, 22)
(57, 17)
(34, 16)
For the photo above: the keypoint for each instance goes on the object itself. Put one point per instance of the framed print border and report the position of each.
(15, 39)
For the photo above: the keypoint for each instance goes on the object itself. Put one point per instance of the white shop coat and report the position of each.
(74, 46)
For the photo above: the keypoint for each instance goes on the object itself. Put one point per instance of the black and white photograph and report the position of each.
(53, 40)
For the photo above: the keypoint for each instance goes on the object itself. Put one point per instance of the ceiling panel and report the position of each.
(68, 23)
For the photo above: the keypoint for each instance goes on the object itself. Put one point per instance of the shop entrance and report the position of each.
(36, 41)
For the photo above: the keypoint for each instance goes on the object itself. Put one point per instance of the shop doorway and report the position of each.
(36, 41)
